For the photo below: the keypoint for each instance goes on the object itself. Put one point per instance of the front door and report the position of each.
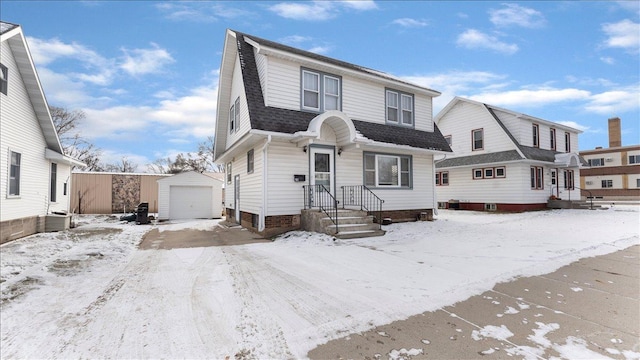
(322, 173)
(236, 197)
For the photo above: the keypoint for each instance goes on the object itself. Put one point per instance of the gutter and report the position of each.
(265, 152)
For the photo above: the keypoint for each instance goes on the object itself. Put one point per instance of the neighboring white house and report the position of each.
(504, 160)
(35, 174)
(189, 195)
(288, 118)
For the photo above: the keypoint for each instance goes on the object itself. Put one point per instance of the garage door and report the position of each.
(190, 202)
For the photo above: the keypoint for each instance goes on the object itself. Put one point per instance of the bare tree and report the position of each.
(201, 161)
(123, 166)
(73, 144)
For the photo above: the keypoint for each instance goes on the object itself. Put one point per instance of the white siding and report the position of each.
(465, 117)
(285, 196)
(261, 64)
(21, 133)
(62, 200)
(237, 90)
(283, 84)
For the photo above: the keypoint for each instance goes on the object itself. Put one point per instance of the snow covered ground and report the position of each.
(89, 293)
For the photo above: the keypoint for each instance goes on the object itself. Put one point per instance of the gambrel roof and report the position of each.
(287, 121)
(521, 153)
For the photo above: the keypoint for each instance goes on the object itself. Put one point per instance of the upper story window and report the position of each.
(536, 135)
(477, 139)
(607, 183)
(552, 137)
(383, 170)
(399, 107)
(4, 79)
(320, 91)
(634, 159)
(14, 174)
(567, 142)
(232, 119)
(596, 162)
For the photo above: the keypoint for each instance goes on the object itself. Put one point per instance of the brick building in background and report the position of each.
(614, 172)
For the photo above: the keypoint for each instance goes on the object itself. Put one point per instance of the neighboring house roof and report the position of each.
(288, 121)
(522, 152)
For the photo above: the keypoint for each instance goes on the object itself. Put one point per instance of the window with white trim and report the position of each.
(399, 107)
(4, 79)
(477, 139)
(596, 162)
(229, 173)
(607, 183)
(250, 161)
(320, 91)
(537, 178)
(536, 135)
(634, 159)
(232, 119)
(387, 170)
(489, 173)
(567, 142)
(14, 174)
(442, 178)
(552, 139)
(477, 173)
(237, 113)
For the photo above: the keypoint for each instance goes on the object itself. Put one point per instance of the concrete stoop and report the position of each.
(571, 204)
(352, 224)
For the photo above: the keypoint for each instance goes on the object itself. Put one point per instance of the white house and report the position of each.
(35, 174)
(504, 160)
(299, 130)
(189, 195)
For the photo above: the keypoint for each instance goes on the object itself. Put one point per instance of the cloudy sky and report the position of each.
(146, 73)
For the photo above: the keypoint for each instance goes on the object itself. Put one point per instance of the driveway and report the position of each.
(221, 235)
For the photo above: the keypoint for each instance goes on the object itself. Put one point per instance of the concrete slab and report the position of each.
(588, 309)
(189, 238)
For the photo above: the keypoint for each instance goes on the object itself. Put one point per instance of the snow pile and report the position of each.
(96, 296)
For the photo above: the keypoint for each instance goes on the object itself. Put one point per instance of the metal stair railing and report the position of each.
(361, 195)
(317, 196)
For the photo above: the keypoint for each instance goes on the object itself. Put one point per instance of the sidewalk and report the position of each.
(588, 309)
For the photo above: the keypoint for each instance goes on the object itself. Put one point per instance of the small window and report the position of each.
(552, 139)
(54, 177)
(567, 142)
(477, 173)
(607, 184)
(237, 114)
(442, 178)
(553, 177)
(449, 140)
(14, 174)
(488, 173)
(399, 108)
(536, 135)
(634, 159)
(477, 137)
(232, 119)
(4, 79)
(500, 172)
(64, 189)
(596, 162)
(229, 173)
(382, 170)
(250, 161)
(638, 183)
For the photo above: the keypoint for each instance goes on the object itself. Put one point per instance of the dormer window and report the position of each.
(320, 91)
(567, 142)
(536, 135)
(4, 79)
(399, 107)
(552, 137)
(234, 116)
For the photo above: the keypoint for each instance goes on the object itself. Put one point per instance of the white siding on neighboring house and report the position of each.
(21, 133)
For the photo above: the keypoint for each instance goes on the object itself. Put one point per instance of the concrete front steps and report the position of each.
(352, 224)
(572, 204)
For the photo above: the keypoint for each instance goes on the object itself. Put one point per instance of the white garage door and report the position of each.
(190, 202)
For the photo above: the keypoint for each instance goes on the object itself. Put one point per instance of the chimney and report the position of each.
(615, 137)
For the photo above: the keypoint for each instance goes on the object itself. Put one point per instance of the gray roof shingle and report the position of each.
(488, 158)
(5, 26)
(288, 121)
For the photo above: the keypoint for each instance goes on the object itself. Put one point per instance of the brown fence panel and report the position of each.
(91, 193)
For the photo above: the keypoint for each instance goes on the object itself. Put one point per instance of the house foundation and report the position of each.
(17, 228)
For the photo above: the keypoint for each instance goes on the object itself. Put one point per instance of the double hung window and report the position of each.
(385, 170)
(234, 116)
(567, 142)
(552, 137)
(537, 178)
(54, 177)
(536, 135)
(399, 107)
(568, 179)
(320, 92)
(442, 178)
(477, 139)
(14, 174)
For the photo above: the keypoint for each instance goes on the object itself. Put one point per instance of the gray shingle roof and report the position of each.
(488, 158)
(5, 26)
(288, 121)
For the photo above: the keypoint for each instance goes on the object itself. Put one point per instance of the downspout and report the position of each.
(435, 200)
(265, 152)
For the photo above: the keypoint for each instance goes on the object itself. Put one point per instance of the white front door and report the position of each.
(322, 167)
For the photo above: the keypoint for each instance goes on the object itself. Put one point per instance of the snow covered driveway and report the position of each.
(90, 293)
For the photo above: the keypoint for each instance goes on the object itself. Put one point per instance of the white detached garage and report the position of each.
(189, 195)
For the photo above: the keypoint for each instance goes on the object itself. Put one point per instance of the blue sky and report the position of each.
(146, 73)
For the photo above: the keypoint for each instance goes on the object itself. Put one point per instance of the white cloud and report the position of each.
(516, 15)
(294, 39)
(615, 101)
(608, 60)
(474, 39)
(359, 4)
(532, 97)
(315, 11)
(320, 49)
(574, 125)
(623, 34)
(146, 61)
(200, 11)
(410, 23)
